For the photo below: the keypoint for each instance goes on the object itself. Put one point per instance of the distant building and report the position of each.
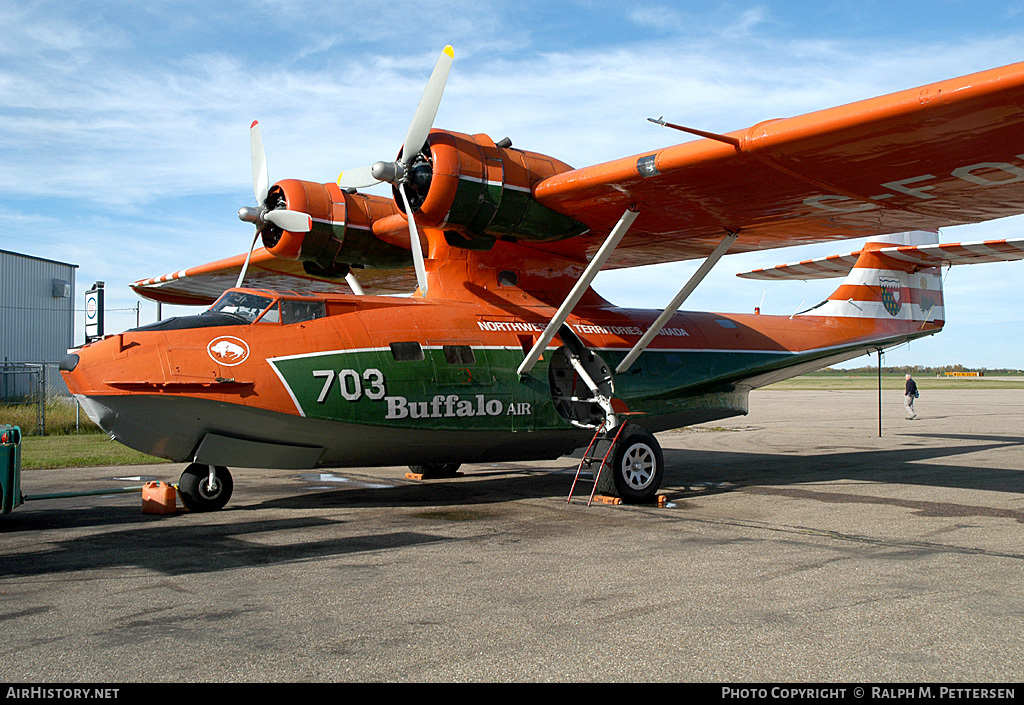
(37, 308)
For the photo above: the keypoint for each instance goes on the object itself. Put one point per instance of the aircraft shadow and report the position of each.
(710, 471)
(181, 548)
(704, 471)
(483, 487)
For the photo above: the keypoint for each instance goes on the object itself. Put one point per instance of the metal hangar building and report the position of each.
(37, 312)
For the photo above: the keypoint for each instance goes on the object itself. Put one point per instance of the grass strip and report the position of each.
(78, 451)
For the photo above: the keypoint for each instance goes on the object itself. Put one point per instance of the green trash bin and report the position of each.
(10, 468)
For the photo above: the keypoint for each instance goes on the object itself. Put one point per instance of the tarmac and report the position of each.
(796, 546)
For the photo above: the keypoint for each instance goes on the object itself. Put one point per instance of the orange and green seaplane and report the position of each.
(306, 358)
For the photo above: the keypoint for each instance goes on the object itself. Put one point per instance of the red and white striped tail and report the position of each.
(894, 277)
(881, 285)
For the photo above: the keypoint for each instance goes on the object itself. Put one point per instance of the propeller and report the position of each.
(266, 215)
(400, 172)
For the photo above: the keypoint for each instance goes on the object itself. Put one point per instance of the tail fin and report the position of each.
(883, 286)
(894, 277)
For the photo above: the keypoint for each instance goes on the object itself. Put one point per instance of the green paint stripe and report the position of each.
(369, 387)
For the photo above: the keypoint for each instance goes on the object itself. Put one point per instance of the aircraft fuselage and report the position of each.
(275, 380)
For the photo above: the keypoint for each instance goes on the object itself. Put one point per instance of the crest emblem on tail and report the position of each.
(891, 290)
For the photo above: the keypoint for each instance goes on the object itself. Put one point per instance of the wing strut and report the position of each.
(674, 305)
(578, 290)
(354, 284)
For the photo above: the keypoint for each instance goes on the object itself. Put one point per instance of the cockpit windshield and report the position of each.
(247, 307)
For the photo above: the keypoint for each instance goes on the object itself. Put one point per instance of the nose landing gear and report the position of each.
(205, 488)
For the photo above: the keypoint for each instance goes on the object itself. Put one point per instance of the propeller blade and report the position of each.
(245, 265)
(414, 243)
(357, 178)
(260, 179)
(426, 111)
(292, 221)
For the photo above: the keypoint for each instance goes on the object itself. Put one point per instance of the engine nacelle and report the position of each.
(342, 228)
(477, 191)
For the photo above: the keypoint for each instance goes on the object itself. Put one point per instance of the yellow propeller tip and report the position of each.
(449, 51)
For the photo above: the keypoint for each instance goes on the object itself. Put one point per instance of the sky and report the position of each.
(124, 144)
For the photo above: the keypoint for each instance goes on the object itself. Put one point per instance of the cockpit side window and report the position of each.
(246, 307)
(272, 315)
(296, 311)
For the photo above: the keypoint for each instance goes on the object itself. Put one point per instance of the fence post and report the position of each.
(42, 400)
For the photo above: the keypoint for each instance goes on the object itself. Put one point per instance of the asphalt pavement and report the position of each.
(796, 545)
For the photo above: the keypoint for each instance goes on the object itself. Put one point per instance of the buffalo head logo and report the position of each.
(228, 350)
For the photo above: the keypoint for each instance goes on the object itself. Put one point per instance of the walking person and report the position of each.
(910, 395)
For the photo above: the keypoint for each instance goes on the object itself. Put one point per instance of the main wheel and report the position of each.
(638, 467)
(436, 471)
(196, 493)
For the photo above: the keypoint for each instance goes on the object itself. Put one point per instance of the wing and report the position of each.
(943, 154)
(938, 255)
(203, 284)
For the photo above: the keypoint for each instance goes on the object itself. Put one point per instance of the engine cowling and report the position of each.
(477, 191)
(341, 236)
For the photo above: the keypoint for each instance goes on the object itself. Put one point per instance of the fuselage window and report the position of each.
(507, 278)
(296, 311)
(404, 352)
(459, 355)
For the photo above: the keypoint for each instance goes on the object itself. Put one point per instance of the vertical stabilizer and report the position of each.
(883, 286)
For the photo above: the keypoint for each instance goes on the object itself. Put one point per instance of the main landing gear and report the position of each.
(638, 466)
(630, 465)
(634, 459)
(205, 488)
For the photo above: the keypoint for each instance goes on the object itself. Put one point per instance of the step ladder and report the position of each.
(589, 459)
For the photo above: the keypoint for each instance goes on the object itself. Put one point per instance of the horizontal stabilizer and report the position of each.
(936, 255)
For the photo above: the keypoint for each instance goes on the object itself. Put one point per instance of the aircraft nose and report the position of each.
(76, 369)
(79, 371)
(68, 363)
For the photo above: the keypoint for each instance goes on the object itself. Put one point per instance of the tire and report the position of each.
(194, 493)
(436, 471)
(638, 467)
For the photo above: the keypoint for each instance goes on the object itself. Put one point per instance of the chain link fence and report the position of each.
(33, 396)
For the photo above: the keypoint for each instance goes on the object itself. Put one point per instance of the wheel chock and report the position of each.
(661, 500)
(159, 498)
(422, 476)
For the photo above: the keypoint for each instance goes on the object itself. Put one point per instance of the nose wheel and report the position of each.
(205, 488)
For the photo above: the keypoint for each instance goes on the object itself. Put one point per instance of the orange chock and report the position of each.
(159, 498)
